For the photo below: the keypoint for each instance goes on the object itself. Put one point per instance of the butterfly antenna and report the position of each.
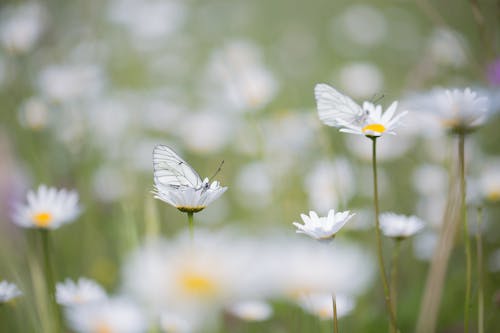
(217, 171)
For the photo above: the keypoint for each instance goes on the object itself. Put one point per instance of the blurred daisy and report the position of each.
(81, 292)
(48, 208)
(400, 226)
(110, 316)
(8, 291)
(489, 182)
(458, 111)
(321, 306)
(251, 310)
(174, 323)
(322, 228)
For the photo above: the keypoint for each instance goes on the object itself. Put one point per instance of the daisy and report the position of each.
(111, 316)
(376, 123)
(322, 228)
(251, 310)
(8, 291)
(189, 199)
(400, 227)
(48, 208)
(81, 292)
(320, 305)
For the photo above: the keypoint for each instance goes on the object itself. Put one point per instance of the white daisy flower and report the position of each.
(110, 316)
(338, 110)
(190, 199)
(8, 291)
(400, 226)
(321, 305)
(458, 111)
(251, 310)
(376, 123)
(322, 228)
(81, 292)
(48, 208)
(174, 323)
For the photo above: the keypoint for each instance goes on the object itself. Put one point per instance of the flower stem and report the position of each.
(394, 276)
(480, 292)
(383, 274)
(335, 318)
(191, 225)
(49, 278)
(461, 163)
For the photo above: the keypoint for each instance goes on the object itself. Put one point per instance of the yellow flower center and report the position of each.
(494, 195)
(324, 313)
(103, 328)
(42, 219)
(197, 284)
(379, 128)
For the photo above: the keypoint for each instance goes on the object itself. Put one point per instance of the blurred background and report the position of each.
(88, 88)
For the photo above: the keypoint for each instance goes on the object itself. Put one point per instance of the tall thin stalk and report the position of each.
(383, 274)
(335, 317)
(394, 276)
(468, 259)
(49, 278)
(191, 224)
(480, 291)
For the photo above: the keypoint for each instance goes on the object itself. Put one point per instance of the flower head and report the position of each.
(400, 226)
(375, 123)
(48, 208)
(8, 291)
(82, 292)
(338, 110)
(322, 228)
(320, 305)
(251, 310)
(189, 199)
(110, 316)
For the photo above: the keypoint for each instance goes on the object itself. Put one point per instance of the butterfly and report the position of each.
(335, 108)
(172, 171)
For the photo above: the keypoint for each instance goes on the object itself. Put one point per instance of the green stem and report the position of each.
(191, 224)
(480, 291)
(461, 162)
(394, 276)
(49, 278)
(335, 317)
(383, 274)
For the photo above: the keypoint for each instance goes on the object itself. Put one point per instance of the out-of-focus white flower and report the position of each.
(174, 323)
(246, 84)
(115, 315)
(489, 182)
(330, 184)
(447, 47)
(364, 24)
(400, 226)
(361, 80)
(323, 228)
(254, 183)
(66, 83)
(8, 291)
(431, 207)
(458, 111)
(34, 113)
(424, 245)
(109, 183)
(251, 310)
(321, 305)
(149, 20)
(84, 291)
(22, 26)
(429, 179)
(48, 208)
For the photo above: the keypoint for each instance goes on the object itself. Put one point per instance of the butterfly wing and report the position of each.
(171, 170)
(334, 106)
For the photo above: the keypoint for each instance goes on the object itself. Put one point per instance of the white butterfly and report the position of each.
(336, 109)
(172, 171)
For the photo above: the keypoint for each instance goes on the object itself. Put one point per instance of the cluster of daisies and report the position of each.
(181, 285)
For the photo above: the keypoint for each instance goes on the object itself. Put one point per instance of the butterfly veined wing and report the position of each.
(334, 106)
(171, 170)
